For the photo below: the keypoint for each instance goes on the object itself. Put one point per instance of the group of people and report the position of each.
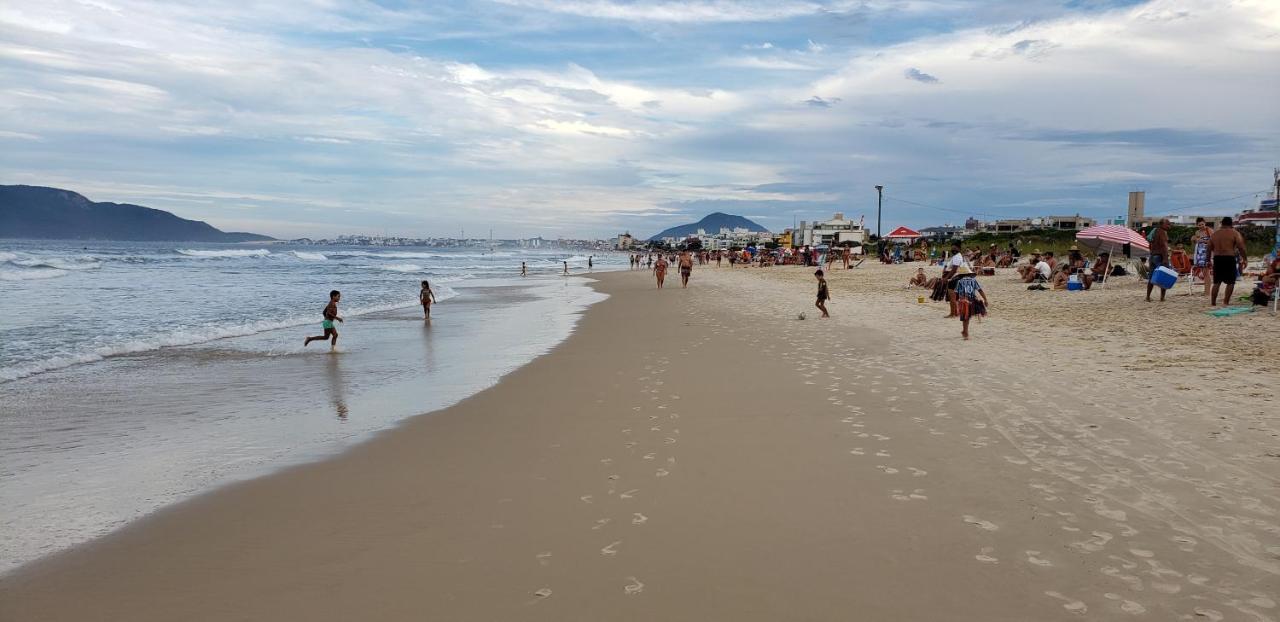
(685, 262)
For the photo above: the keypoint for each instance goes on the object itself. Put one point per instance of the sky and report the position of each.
(587, 118)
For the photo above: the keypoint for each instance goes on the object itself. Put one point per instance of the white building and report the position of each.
(832, 232)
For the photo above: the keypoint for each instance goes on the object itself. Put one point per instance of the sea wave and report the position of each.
(402, 267)
(257, 252)
(309, 256)
(188, 337)
(31, 274)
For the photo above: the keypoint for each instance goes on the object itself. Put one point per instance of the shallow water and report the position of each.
(208, 383)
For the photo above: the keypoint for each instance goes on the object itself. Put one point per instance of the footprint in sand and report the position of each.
(587, 499)
(1070, 604)
(612, 549)
(634, 587)
(982, 524)
(1213, 615)
(917, 472)
(601, 522)
(857, 451)
(638, 518)
(544, 558)
(1097, 543)
(543, 593)
(1127, 606)
(1033, 557)
(984, 555)
(630, 494)
(888, 470)
(662, 473)
(883, 454)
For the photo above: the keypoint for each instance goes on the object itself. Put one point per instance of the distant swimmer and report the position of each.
(524, 269)
(686, 268)
(427, 298)
(660, 270)
(590, 263)
(330, 314)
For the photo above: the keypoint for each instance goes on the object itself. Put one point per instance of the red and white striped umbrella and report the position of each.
(1105, 237)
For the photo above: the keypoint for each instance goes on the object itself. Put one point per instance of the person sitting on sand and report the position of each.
(1049, 259)
(1060, 279)
(919, 280)
(823, 294)
(1026, 271)
(1075, 261)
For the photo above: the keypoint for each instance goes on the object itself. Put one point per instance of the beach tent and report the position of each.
(902, 233)
(1112, 238)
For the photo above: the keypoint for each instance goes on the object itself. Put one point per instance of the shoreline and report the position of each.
(699, 454)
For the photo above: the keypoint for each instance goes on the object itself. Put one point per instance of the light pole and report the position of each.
(879, 207)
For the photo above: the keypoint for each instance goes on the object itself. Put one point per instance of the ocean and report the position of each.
(135, 375)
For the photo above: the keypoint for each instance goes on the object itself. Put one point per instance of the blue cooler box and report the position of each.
(1164, 277)
(1074, 286)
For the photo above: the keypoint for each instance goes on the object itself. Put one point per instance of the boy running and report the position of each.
(330, 314)
(427, 298)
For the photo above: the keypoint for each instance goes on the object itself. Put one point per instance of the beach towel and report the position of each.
(1229, 311)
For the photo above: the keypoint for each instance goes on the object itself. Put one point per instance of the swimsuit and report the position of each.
(1224, 269)
(327, 324)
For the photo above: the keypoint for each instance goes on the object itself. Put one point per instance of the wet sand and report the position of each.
(702, 454)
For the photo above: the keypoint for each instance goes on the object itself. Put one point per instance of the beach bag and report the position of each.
(1260, 298)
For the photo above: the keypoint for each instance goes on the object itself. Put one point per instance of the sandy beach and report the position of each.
(703, 454)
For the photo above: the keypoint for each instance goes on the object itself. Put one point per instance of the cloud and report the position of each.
(1166, 140)
(919, 76)
(674, 12)
(818, 102)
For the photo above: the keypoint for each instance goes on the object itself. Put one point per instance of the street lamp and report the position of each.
(879, 206)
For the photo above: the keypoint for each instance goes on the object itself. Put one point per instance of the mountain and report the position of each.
(711, 223)
(55, 214)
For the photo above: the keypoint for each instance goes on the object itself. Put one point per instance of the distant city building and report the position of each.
(625, 242)
(838, 230)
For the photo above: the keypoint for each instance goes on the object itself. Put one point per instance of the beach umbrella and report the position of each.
(1112, 237)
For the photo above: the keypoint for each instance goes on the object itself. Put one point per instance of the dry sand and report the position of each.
(703, 455)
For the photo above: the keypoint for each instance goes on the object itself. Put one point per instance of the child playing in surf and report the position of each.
(823, 294)
(427, 298)
(330, 314)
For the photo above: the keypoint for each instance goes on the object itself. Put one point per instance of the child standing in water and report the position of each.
(427, 298)
(823, 294)
(330, 314)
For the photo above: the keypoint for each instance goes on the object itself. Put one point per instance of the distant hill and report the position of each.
(55, 214)
(711, 223)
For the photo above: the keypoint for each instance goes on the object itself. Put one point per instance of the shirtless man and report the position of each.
(686, 268)
(660, 270)
(330, 315)
(1226, 246)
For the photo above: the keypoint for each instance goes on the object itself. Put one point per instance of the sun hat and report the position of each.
(963, 270)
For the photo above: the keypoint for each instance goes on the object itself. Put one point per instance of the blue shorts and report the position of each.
(1155, 261)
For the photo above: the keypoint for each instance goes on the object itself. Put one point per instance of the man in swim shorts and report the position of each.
(1226, 246)
(330, 314)
(686, 268)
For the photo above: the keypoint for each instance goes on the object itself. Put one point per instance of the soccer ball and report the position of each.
(801, 316)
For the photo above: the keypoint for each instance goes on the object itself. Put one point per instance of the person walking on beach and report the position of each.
(1200, 254)
(524, 269)
(1159, 255)
(949, 276)
(686, 268)
(427, 298)
(330, 314)
(566, 268)
(968, 292)
(823, 293)
(1228, 250)
(660, 270)
(590, 263)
